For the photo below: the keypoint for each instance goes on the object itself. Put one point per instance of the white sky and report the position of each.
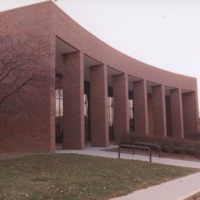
(162, 33)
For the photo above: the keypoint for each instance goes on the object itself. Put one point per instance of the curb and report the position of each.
(195, 195)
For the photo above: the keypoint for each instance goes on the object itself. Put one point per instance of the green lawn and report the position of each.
(73, 177)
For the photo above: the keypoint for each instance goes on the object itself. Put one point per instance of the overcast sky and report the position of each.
(162, 33)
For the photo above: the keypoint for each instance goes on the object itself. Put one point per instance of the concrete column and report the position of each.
(121, 118)
(98, 106)
(140, 107)
(73, 102)
(176, 113)
(190, 112)
(159, 110)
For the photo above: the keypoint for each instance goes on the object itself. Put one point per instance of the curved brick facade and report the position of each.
(164, 103)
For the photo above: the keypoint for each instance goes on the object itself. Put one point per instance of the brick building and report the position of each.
(100, 93)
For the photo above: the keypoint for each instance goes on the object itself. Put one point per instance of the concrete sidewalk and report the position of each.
(177, 189)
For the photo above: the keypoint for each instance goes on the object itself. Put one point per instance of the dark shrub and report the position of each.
(168, 145)
(193, 136)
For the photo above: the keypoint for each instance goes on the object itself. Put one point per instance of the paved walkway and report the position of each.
(177, 189)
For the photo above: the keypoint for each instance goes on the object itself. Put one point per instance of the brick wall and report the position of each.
(27, 121)
(31, 126)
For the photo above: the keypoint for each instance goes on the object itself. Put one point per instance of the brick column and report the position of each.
(73, 102)
(159, 110)
(121, 118)
(190, 112)
(140, 107)
(150, 114)
(98, 106)
(176, 113)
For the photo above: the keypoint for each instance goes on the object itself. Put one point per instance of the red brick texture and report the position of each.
(150, 115)
(140, 107)
(73, 111)
(121, 118)
(176, 113)
(156, 111)
(99, 106)
(159, 110)
(28, 125)
(190, 116)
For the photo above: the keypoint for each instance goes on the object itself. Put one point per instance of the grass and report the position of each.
(73, 177)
